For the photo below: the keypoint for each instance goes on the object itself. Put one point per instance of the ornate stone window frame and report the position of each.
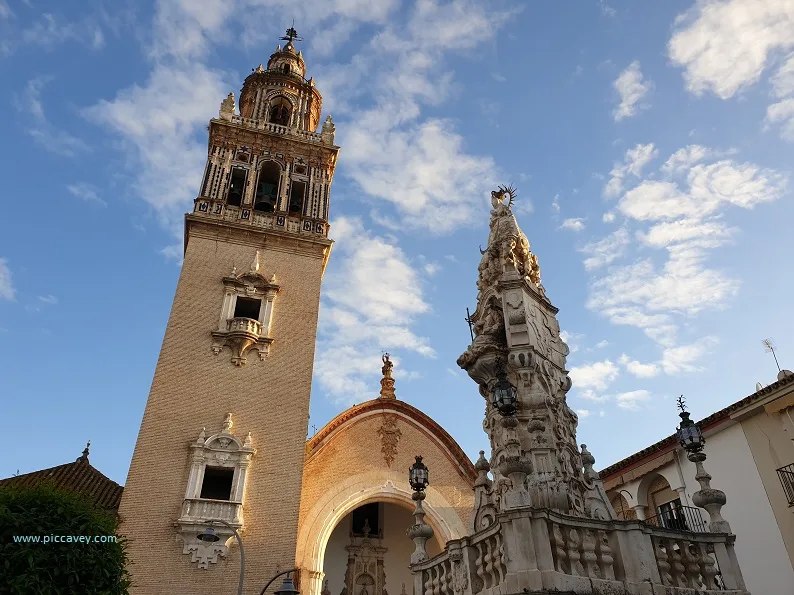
(222, 449)
(241, 335)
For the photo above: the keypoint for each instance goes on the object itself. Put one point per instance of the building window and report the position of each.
(266, 197)
(366, 520)
(247, 308)
(672, 515)
(215, 491)
(280, 110)
(297, 193)
(246, 314)
(217, 483)
(237, 186)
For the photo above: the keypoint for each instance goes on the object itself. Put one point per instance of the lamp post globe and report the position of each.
(418, 475)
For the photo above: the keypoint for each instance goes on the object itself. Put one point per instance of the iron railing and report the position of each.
(682, 518)
(786, 475)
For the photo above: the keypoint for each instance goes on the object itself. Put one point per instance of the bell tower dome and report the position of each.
(222, 440)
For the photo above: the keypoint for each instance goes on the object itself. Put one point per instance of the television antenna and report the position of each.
(770, 346)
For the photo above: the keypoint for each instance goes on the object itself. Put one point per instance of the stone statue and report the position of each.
(387, 365)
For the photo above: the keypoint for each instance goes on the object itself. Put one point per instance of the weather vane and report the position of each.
(291, 34)
(681, 403)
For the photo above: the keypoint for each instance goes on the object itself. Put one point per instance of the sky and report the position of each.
(651, 144)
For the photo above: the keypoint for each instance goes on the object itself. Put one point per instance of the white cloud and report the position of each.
(48, 299)
(724, 46)
(573, 224)
(571, 340)
(782, 113)
(602, 344)
(606, 250)
(634, 161)
(682, 358)
(598, 375)
(606, 9)
(431, 268)
(608, 217)
(783, 80)
(555, 204)
(582, 413)
(49, 33)
(7, 291)
(40, 128)
(638, 369)
(632, 89)
(86, 192)
(369, 305)
(631, 400)
(684, 159)
(5, 11)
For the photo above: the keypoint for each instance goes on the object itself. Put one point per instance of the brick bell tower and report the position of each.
(223, 435)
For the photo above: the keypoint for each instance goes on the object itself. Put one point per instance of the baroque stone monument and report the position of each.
(543, 523)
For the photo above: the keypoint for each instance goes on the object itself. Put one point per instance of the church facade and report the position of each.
(223, 435)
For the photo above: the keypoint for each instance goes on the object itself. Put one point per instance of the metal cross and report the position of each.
(681, 403)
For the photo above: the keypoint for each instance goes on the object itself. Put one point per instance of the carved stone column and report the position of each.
(420, 532)
(514, 465)
(712, 500)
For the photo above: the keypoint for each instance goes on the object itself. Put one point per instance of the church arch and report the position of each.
(340, 500)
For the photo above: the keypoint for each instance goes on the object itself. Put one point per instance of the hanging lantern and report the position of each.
(689, 434)
(418, 476)
(504, 394)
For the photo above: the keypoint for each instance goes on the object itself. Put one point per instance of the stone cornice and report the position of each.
(349, 416)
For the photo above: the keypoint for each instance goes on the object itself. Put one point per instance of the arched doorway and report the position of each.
(368, 552)
(335, 504)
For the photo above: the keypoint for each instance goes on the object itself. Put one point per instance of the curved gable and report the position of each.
(422, 421)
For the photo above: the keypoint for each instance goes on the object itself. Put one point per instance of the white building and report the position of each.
(751, 456)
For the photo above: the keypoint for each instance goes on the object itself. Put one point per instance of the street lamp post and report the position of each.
(209, 536)
(712, 500)
(420, 532)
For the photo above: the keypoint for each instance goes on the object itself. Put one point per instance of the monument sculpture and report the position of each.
(543, 522)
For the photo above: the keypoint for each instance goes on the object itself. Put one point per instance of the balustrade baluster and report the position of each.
(660, 547)
(589, 556)
(605, 559)
(573, 544)
(677, 568)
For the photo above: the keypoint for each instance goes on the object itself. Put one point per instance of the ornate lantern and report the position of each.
(504, 393)
(689, 434)
(417, 475)
(287, 587)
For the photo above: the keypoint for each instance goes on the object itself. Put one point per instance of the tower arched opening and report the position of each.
(267, 187)
(237, 180)
(280, 111)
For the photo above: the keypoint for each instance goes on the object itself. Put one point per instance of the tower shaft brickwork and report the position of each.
(222, 439)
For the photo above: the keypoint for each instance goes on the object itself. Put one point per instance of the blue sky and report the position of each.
(651, 144)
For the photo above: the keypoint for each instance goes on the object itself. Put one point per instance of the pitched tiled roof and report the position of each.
(712, 420)
(79, 477)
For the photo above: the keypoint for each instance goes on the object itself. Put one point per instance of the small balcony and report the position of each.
(680, 518)
(786, 476)
(245, 326)
(197, 510)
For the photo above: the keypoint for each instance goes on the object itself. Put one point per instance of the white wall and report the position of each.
(762, 555)
(396, 520)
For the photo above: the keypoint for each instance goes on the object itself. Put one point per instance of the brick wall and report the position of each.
(193, 388)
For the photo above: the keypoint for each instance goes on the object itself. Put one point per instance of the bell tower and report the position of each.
(222, 440)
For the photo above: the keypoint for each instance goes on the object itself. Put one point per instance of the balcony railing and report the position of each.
(203, 509)
(245, 215)
(786, 475)
(247, 326)
(681, 518)
(261, 124)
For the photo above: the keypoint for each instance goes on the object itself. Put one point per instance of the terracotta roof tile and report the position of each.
(79, 477)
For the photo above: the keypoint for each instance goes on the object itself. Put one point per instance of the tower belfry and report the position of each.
(222, 440)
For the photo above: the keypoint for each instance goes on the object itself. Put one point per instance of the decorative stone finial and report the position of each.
(387, 382)
(202, 436)
(227, 424)
(273, 279)
(259, 68)
(84, 457)
(328, 130)
(247, 443)
(227, 106)
(254, 268)
(588, 460)
(326, 590)
(708, 498)
(419, 532)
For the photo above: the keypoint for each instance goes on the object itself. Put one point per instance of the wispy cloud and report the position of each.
(634, 161)
(7, 291)
(576, 224)
(40, 128)
(631, 400)
(596, 375)
(48, 299)
(49, 32)
(86, 192)
(632, 89)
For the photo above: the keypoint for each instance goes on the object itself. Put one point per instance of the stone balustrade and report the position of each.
(290, 131)
(245, 215)
(244, 325)
(202, 509)
(538, 550)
